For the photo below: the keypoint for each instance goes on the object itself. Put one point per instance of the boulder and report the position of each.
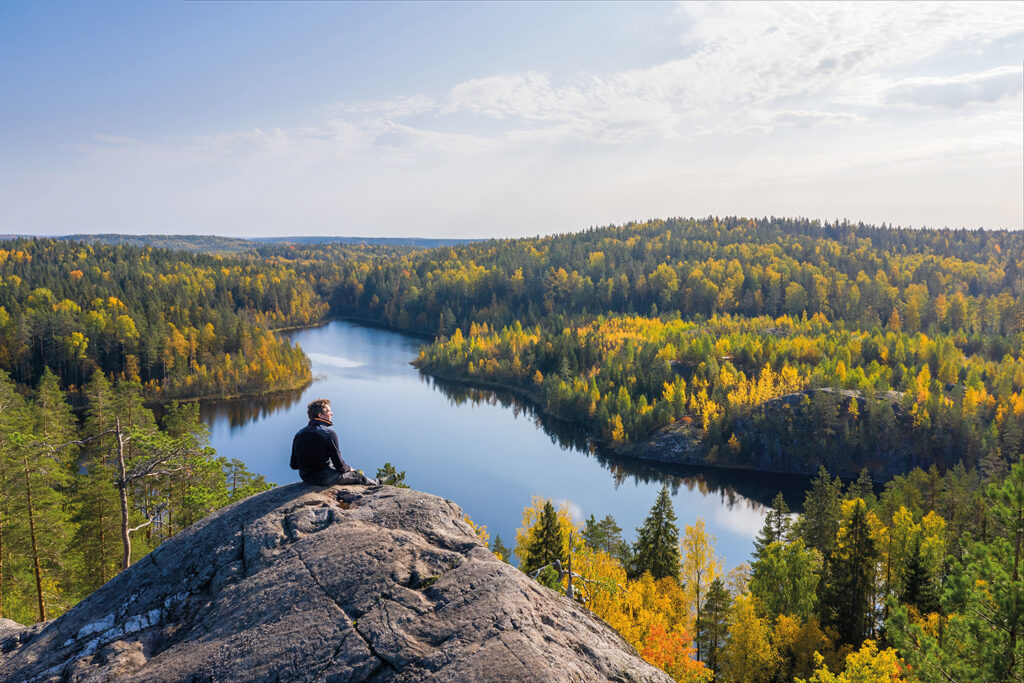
(303, 583)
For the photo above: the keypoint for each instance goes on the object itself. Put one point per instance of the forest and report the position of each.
(760, 341)
(892, 357)
(82, 499)
(919, 583)
(182, 325)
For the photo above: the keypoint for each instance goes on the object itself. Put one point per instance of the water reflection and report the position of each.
(458, 442)
(750, 490)
(239, 412)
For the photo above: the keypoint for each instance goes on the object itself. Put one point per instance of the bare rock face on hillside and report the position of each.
(304, 583)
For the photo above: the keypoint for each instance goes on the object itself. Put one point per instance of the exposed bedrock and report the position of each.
(304, 583)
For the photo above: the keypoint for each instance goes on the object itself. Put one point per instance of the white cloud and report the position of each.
(959, 90)
(753, 68)
(763, 102)
(574, 510)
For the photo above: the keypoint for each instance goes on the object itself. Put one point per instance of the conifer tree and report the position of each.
(606, 536)
(546, 544)
(13, 419)
(776, 526)
(919, 588)
(42, 470)
(819, 522)
(95, 495)
(657, 545)
(499, 548)
(847, 599)
(713, 624)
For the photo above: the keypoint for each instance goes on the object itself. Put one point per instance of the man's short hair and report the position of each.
(316, 407)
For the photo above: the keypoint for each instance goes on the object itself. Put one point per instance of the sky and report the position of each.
(504, 119)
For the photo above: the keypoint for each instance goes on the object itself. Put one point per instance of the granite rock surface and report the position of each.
(303, 583)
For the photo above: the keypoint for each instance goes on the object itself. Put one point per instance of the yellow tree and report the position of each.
(748, 656)
(700, 566)
(867, 665)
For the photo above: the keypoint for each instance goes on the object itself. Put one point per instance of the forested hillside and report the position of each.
(920, 583)
(767, 344)
(180, 324)
(699, 325)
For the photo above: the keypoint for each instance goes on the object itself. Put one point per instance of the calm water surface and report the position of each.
(483, 450)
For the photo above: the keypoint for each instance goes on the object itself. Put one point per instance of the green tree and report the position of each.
(13, 422)
(546, 544)
(985, 600)
(94, 493)
(849, 589)
(713, 625)
(499, 548)
(41, 527)
(776, 527)
(784, 579)
(606, 536)
(657, 545)
(819, 523)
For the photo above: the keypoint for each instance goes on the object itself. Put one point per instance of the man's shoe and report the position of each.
(388, 480)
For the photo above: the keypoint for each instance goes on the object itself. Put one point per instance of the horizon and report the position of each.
(493, 121)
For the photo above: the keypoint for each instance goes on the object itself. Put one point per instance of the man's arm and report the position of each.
(295, 455)
(335, 449)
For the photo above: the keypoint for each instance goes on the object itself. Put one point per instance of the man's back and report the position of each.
(315, 447)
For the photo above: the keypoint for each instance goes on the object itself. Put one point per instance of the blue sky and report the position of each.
(504, 119)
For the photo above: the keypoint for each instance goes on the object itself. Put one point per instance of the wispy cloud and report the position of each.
(763, 107)
(960, 90)
(750, 69)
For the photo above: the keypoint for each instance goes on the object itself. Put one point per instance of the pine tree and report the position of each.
(94, 494)
(819, 522)
(606, 536)
(13, 419)
(777, 526)
(863, 488)
(499, 548)
(546, 544)
(919, 588)
(657, 545)
(847, 600)
(41, 472)
(713, 624)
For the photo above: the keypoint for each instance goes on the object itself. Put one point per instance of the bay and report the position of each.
(484, 450)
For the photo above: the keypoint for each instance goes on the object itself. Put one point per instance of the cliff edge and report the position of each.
(304, 583)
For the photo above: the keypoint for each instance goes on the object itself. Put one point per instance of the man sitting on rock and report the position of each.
(316, 454)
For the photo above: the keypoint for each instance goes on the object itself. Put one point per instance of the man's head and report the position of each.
(320, 408)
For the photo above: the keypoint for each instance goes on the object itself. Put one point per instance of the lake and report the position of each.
(484, 450)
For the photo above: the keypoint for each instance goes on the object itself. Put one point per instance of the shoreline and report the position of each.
(669, 445)
(656, 449)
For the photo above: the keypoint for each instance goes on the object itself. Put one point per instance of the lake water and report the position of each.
(483, 450)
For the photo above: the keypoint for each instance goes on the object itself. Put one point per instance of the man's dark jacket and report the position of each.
(315, 448)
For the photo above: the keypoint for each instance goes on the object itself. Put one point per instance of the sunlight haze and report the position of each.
(505, 119)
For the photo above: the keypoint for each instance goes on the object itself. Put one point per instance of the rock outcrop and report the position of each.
(304, 583)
